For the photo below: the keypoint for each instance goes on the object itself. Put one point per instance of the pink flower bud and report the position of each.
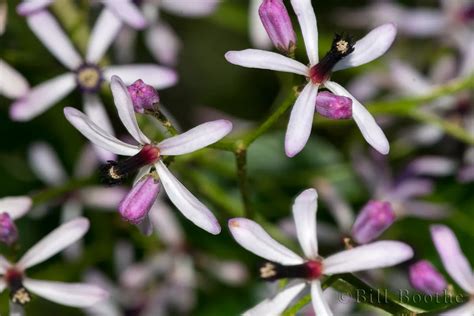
(144, 97)
(137, 203)
(425, 278)
(278, 25)
(333, 106)
(372, 221)
(8, 231)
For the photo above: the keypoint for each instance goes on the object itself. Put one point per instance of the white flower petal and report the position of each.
(187, 203)
(55, 241)
(69, 294)
(12, 84)
(156, 76)
(190, 8)
(103, 34)
(143, 171)
(258, 35)
(320, 306)
(15, 206)
(4, 265)
(369, 128)
(301, 120)
(408, 79)
(48, 30)
(163, 43)
(97, 135)
(304, 213)
(166, 224)
(46, 164)
(371, 256)
(123, 103)
(196, 138)
(454, 261)
(466, 309)
(41, 97)
(370, 47)
(27, 7)
(102, 197)
(309, 28)
(128, 12)
(256, 58)
(252, 237)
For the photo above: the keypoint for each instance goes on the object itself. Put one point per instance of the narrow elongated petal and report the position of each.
(304, 213)
(370, 47)
(187, 203)
(123, 103)
(454, 261)
(69, 294)
(408, 79)
(41, 97)
(321, 308)
(277, 304)
(4, 265)
(28, 7)
(301, 120)
(423, 209)
(260, 59)
(369, 128)
(46, 164)
(252, 237)
(163, 43)
(166, 224)
(156, 76)
(97, 135)
(47, 29)
(15, 206)
(190, 8)
(103, 34)
(196, 138)
(309, 28)
(55, 241)
(379, 254)
(102, 197)
(12, 84)
(128, 12)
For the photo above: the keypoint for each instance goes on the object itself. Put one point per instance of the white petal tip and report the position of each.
(291, 150)
(308, 195)
(18, 112)
(215, 229)
(226, 126)
(230, 56)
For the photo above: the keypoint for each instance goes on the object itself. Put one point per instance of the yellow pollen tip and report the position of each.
(113, 174)
(267, 271)
(21, 296)
(234, 223)
(342, 46)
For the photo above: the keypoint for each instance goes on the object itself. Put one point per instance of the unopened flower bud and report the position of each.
(278, 25)
(144, 97)
(333, 106)
(372, 221)
(137, 203)
(8, 231)
(425, 278)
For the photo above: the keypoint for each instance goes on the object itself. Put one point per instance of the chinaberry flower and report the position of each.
(425, 278)
(148, 154)
(12, 208)
(374, 218)
(284, 263)
(13, 277)
(344, 53)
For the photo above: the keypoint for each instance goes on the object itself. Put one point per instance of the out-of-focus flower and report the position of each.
(71, 294)
(12, 208)
(147, 154)
(343, 54)
(374, 218)
(12, 83)
(144, 96)
(456, 264)
(425, 278)
(284, 263)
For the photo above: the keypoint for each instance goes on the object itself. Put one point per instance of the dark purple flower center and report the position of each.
(18, 293)
(89, 77)
(309, 270)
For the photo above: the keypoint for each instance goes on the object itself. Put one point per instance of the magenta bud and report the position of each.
(137, 203)
(333, 106)
(8, 231)
(425, 278)
(144, 97)
(372, 221)
(278, 25)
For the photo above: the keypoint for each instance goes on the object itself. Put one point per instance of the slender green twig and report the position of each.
(160, 116)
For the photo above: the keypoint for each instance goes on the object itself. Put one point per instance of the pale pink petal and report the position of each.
(408, 79)
(163, 43)
(102, 197)
(47, 29)
(255, 58)
(72, 209)
(27, 7)
(422, 209)
(190, 8)
(46, 164)
(124, 45)
(320, 306)
(105, 31)
(166, 224)
(252, 237)
(196, 138)
(4, 265)
(422, 22)
(369, 128)
(69, 294)
(123, 103)
(379, 254)
(128, 12)
(156, 76)
(309, 28)
(301, 120)
(15, 206)
(466, 309)
(454, 261)
(41, 97)
(411, 187)
(370, 47)
(55, 241)
(304, 213)
(432, 166)
(97, 135)
(187, 203)
(12, 84)
(258, 34)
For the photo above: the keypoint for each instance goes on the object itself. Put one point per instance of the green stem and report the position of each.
(241, 162)
(160, 116)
